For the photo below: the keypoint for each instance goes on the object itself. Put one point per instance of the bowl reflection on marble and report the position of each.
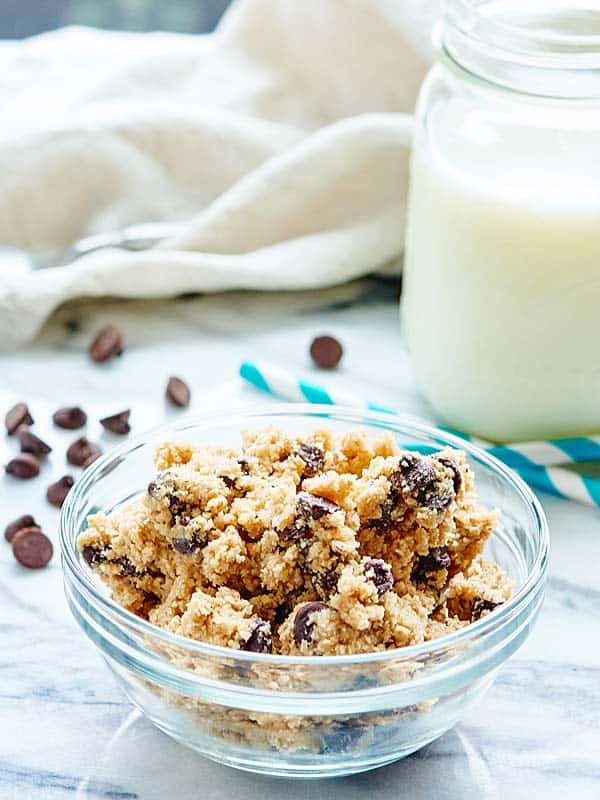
(304, 716)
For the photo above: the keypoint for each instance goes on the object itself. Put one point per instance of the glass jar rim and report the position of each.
(110, 610)
(539, 54)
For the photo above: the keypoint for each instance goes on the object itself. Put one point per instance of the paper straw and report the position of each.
(533, 461)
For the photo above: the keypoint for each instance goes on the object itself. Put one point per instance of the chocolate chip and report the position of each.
(244, 466)
(436, 559)
(16, 416)
(479, 606)
(117, 423)
(57, 492)
(313, 458)
(32, 548)
(229, 482)
(70, 418)
(93, 555)
(178, 392)
(107, 344)
(260, 640)
(384, 521)
(324, 581)
(187, 546)
(23, 466)
(30, 443)
(26, 521)
(83, 452)
(380, 572)
(149, 602)
(127, 568)
(310, 506)
(326, 352)
(282, 612)
(416, 476)
(456, 476)
(303, 627)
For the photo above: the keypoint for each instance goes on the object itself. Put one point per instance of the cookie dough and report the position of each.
(316, 545)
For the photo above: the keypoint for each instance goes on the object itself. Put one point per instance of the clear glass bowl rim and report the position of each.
(74, 569)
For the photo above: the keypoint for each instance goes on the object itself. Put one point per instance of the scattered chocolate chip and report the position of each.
(107, 343)
(26, 521)
(187, 546)
(313, 458)
(23, 466)
(479, 606)
(16, 416)
(310, 506)
(303, 627)
(93, 555)
(57, 492)
(70, 418)
(456, 476)
(83, 452)
(260, 640)
(32, 548)
(30, 443)
(437, 558)
(326, 352)
(380, 572)
(178, 392)
(117, 423)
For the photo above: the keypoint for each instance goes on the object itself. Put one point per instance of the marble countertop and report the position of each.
(67, 731)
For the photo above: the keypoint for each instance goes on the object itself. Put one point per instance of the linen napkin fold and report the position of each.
(280, 142)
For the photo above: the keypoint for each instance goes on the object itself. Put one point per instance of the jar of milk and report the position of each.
(501, 296)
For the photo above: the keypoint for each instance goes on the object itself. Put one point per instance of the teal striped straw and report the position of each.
(535, 462)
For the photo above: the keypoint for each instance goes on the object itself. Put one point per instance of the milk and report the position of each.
(501, 296)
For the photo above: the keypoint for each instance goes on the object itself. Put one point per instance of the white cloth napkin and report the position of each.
(281, 140)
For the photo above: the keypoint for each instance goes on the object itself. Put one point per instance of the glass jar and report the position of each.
(501, 299)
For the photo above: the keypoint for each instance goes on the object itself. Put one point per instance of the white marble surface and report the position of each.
(66, 729)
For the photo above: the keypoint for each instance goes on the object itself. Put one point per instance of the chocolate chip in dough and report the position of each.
(32, 548)
(479, 606)
(416, 476)
(16, 416)
(178, 392)
(303, 627)
(310, 506)
(313, 458)
(260, 640)
(23, 466)
(117, 423)
(326, 352)
(83, 452)
(26, 521)
(436, 559)
(456, 476)
(380, 573)
(57, 492)
(93, 555)
(107, 344)
(70, 418)
(30, 443)
(187, 546)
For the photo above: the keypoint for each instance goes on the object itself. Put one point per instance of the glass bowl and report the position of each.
(304, 716)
